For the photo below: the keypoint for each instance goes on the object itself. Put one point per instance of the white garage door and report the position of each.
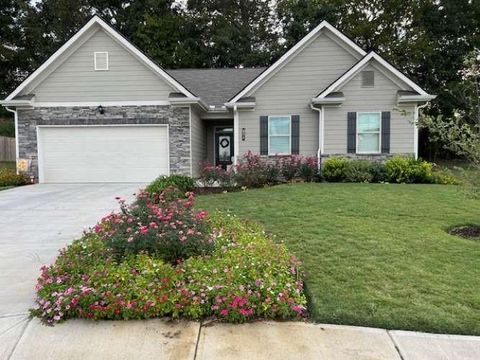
(81, 154)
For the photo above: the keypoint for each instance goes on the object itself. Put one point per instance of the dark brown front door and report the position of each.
(223, 147)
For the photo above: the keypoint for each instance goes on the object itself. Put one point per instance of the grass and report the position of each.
(375, 254)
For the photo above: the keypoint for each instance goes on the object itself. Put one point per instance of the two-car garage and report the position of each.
(117, 153)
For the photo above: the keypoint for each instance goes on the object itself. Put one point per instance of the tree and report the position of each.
(460, 133)
(234, 33)
(12, 59)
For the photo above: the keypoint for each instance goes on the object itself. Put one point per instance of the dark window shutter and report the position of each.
(352, 132)
(385, 132)
(263, 135)
(295, 134)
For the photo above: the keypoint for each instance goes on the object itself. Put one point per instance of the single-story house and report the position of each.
(99, 110)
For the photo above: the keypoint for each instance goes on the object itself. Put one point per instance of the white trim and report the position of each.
(415, 98)
(236, 135)
(289, 134)
(293, 51)
(190, 138)
(95, 54)
(103, 103)
(39, 144)
(17, 148)
(360, 65)
(240, 104)
(116, 36)
(379, 133)
(333, 100)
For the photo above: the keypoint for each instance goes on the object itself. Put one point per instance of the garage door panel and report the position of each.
(103, 154)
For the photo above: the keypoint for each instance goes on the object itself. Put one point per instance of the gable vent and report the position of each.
(368, 78)
(101, 61)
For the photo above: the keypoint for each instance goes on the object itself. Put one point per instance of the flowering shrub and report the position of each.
(165, 226)
(10, 177)
(246, 276)
(255, 171)
(214, 175)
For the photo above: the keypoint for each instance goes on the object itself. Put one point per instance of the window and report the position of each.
(100, 60)
(368, 78)
(279, 133)
(368, 133)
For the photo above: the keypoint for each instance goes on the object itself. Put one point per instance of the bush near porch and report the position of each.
(159, 257)
(254, 171)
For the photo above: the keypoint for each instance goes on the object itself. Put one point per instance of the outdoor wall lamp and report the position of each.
(243, 134)
(101, 110)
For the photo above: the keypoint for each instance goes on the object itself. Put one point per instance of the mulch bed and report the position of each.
(466, 231)
(214, 190)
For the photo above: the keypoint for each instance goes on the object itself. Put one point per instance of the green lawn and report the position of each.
(375, 254)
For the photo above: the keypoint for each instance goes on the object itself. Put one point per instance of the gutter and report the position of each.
(415, 138)
(320, 136)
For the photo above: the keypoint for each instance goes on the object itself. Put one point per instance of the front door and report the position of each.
(223, 147)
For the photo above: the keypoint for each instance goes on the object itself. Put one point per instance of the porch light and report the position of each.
(243, 134)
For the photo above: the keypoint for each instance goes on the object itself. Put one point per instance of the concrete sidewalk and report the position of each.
(163, 339)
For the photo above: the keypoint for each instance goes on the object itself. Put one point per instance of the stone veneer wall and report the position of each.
(177, 118)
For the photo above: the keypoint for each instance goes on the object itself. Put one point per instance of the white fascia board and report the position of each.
(360, 65)
(415, 98)
(333, 100)
(120, 39)
(189, 101)
(264, 75)
(22, 103)
(239, 105)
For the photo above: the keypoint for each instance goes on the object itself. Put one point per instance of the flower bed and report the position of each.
(244, 275)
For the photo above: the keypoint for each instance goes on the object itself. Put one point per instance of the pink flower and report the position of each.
(246, 312)
(143, 230)
(201, 215)
(298, 309)
(153, 225)
(224, 312)
(130, 239)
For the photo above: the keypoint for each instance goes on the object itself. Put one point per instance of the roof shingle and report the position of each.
(215, 86)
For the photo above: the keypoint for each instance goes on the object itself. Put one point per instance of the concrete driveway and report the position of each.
(36, 221)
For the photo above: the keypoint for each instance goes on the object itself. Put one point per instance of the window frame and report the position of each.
(95, 61)
(289, 134)
(379, 133)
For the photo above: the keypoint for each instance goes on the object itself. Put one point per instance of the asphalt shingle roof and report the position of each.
(215, 86)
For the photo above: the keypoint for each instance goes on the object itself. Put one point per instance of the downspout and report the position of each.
(17, 152)
(415, 129)
(320, 136)
(236, 134)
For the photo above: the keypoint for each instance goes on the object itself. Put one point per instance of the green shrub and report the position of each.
(443, 177)
(166, 227)
(9, 177)
(334, 169)
(359, 171)
(247, 276)
(408, 170)
(379, 172)
(309, 169)
(182, 183)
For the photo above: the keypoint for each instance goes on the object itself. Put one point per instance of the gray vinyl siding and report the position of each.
(290, 90)
(75, 80)
(199, 142)
(382, 97)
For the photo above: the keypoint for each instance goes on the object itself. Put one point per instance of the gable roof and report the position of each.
(356, 68)
(292, 52)
(216, 86)
(115, 35)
